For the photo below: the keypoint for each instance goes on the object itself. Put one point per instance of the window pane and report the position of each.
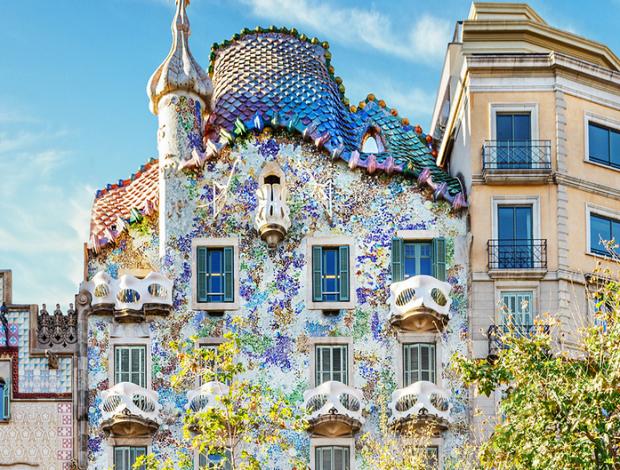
(615, 149)
(600, 231)
(332, 458)
(215, 275)
(418, 259)
(504, 127)
(523, 223)
(598, 139)
(522, 127)
(505, 227)
(331, 272)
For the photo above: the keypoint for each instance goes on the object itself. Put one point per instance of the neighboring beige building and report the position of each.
(529, 120)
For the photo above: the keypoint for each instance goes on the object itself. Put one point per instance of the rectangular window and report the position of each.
(221, 461)
(130, 364)
(515, 237)
(604, 145)
(602, 230)
(125, 457)
(330, 273)
(432, 457)
(5, 399)
(331, 363)
(332, 458)
(517, 308)
(215, 274)
(514, 140)
(413, 258)
(418, 363)
(207, 364)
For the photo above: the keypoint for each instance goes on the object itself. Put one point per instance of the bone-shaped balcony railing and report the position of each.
(208, 395)
(128, 399)
(420, 398)
(332, 398)
(129, 292)
(272, 214)
(420, 294)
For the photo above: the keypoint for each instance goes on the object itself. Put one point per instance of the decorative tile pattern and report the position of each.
(35, 376)
(36, 434)
(13, 336)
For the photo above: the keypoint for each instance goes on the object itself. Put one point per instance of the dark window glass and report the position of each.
(331, 274)
(514, 231)
(418, 258)
(604, 145)
(603, 229)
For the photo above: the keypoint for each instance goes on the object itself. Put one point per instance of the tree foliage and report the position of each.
(248, 418)
(561, 409)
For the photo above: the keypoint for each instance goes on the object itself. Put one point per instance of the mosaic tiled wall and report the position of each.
(35, 376)
(39, 435)
(273, 283)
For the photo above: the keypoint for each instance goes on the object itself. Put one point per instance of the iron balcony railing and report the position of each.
(532, 155)
(496, 332)
(517, 254)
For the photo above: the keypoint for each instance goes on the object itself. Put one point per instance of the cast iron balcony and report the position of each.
(128, 410)
(420, 303)
(495, 334)
(129, 298)
(516, 161)
(421, 404)
(522, 254)
(334, 409)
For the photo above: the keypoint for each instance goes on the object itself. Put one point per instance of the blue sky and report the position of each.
(74, 112)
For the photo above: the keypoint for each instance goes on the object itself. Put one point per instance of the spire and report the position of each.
(179, 71)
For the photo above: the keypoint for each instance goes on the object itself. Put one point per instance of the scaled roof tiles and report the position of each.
(278, 78)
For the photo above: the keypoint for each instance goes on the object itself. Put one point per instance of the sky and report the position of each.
(74, 112)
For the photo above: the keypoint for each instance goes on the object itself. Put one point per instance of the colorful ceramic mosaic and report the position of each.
(272, 283)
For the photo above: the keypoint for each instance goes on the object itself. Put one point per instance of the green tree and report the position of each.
(235, 419)
(560, 409)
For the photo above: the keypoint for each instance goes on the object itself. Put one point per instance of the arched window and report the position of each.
(5, 397)
(372, 142)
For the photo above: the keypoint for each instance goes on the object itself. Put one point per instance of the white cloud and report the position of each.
(44, 215)
(425, 41)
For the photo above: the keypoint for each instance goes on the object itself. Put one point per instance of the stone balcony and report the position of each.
(420, 304)
(206, 396)
(421, 404)
(128, 298)
(272, 214)
(334, 409)
(128, 410)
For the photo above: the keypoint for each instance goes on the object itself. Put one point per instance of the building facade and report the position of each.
(37, 403)
(529, 119)
(327, 227)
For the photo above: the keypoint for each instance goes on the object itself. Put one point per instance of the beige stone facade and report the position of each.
(505, 59)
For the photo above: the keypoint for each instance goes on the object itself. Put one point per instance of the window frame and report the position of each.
(331, 442)
(600, 212)
(419, 344)
(127, 446)
(197, 455)
(216, 243)
(126, 335)
(533, 201)
(131, 347)
(420, 236)
(5, 399)
(600, 121)
(207, 342)
(413, 337)
(508, 291)
(517, 108)
(330, 341)
(330, 241)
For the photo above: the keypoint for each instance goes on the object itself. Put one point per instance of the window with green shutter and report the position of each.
(130, 364)
(125, 457)
(418, 363)
(518, 308)
(5, 399)
(413, 258)
(330, 274)
(331, 363)
(215, 274)
(332, 458)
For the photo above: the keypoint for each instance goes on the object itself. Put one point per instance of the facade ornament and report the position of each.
(57, 329)
(272, 214)
(5, 322)
(179, 71)
(324, 193)
(220, 191)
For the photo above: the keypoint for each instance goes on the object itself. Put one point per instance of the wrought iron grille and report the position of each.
(516, 155)
(57, 329)
(496, 332)
(517, 254)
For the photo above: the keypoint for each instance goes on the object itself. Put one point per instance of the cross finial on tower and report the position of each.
(179, 71)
